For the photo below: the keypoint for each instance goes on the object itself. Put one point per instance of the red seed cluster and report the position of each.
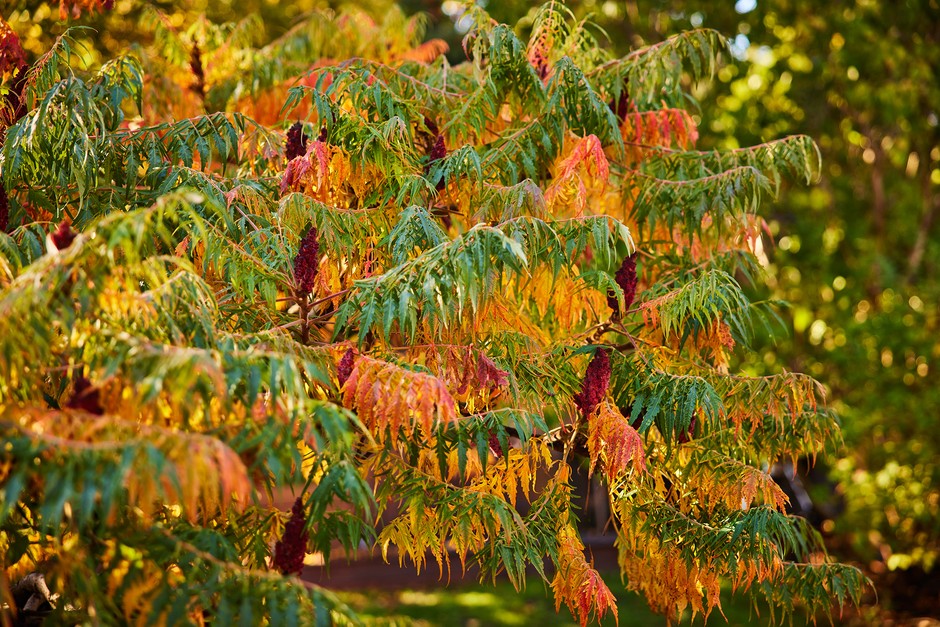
(688, 434)
(86, 397)
(540, 63)
(596, 382)
(63, 236)
(296, 141)
(622, 106)
(345, 367)
(438, 150)
(4, 210)
(12, 64)
(306, 262)
(199, 76)
(12, 56)
(290, 550)
(495, 445)
(435, 146)
(626, 279)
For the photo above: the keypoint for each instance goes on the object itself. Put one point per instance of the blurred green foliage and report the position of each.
(857, 256)
(38, 23)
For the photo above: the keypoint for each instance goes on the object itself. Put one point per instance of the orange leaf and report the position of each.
(579, 585)
(388, 397)
(612, 440)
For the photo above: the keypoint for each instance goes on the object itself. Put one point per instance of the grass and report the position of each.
(482, 605)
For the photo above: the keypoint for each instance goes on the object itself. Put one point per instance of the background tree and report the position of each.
(460, 281)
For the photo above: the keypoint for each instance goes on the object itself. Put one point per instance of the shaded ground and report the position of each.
(386, 594)
(369, 570)
(389, 594)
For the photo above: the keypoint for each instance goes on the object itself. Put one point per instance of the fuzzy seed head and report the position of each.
(345, 367)
(4, 210)
(626, 279)
(63, 236)
(199, 76)
(596, 382)
(495, 445)
(296, 141)
(86, 397)
(438, 150)
(688, 434)
(622, 106)
(12, 56)
(290, 550)
(306, 262)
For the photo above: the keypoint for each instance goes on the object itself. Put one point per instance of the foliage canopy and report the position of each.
(858, 255)
(422, 294)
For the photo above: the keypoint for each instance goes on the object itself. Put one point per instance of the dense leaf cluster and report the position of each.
(392, 319)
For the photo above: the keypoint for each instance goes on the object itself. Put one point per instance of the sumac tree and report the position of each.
(338, 263)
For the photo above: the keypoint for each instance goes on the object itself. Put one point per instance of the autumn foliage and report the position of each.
(418, 295)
